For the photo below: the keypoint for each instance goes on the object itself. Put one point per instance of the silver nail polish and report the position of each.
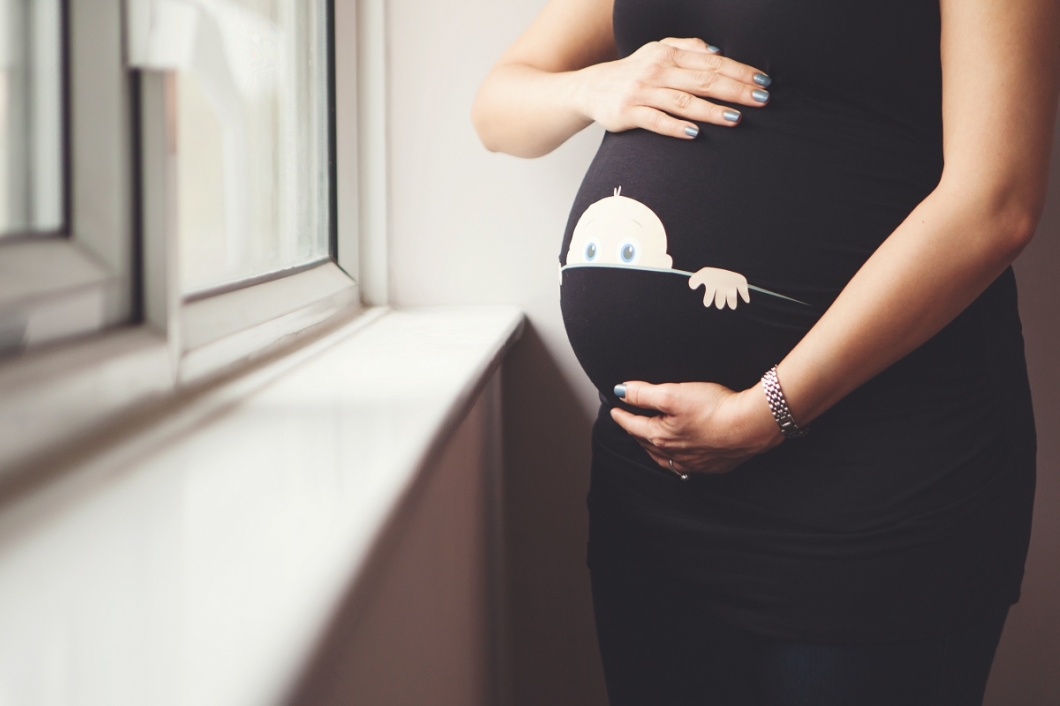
(762, 80)
(731, 115)
(691, 131)
(760, 95)
(713, 49)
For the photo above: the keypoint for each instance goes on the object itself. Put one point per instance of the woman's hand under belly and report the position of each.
(702, 427)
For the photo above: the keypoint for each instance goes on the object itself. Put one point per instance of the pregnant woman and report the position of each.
(788, 273)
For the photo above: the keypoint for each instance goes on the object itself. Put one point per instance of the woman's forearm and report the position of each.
(975, 223)
(946, 252)
(527, 112)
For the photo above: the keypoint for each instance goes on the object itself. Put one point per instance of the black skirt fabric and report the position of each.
(907, 510)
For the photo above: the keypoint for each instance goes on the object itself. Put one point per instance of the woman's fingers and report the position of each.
(670, 101)
(647, 396)
(707, 57)
(656, 120)
(686, 105)
(710, 466)
(690, 44)
(634, 424)
(658, 458)
(661, 87)
(714, 85)
(647, 431)
(713, 63)
(696, 427)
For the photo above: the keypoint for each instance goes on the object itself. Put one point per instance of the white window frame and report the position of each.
(57, 286)
(56, 398)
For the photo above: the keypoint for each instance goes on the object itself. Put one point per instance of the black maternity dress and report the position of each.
(906, 511)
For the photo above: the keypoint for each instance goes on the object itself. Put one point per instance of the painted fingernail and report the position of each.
(731, 115)
(760, 95)
(691, 131)
(620, 391)
(713, 49)
(762, 80)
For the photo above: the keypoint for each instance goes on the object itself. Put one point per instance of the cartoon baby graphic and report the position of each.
(618, 231)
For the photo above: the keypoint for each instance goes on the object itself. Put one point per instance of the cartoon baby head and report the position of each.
(619, 231)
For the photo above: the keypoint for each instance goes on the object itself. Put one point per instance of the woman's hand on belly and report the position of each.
(703, 427)
(562, 74)
(661, 87)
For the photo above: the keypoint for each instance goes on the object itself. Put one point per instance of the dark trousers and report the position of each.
(659, 651)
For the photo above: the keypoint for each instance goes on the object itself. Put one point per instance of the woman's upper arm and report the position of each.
(1000, 80)
(566, 36)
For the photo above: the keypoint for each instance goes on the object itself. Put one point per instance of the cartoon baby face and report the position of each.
(619, 231)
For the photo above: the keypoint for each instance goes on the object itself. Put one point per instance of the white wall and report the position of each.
(469, 227)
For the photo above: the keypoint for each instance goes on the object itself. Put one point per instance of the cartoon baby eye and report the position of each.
(591, 251)
(628, 251)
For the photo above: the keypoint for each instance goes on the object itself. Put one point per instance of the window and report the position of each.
(252, 147)
(167, 199)
(31, 108)
(66, 217)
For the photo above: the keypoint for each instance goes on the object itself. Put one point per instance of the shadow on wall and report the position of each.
(415, 625)
(1025, 669)
(546, 459)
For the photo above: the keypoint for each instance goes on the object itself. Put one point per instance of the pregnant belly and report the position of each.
(790, 204)
(626, 324)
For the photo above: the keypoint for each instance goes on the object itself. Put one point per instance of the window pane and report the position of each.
(31, 183)
(252, 150)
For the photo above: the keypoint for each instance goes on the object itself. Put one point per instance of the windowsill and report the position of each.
(56, 399)
(197, 560)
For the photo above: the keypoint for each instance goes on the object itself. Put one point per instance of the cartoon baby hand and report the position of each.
(721, 286)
